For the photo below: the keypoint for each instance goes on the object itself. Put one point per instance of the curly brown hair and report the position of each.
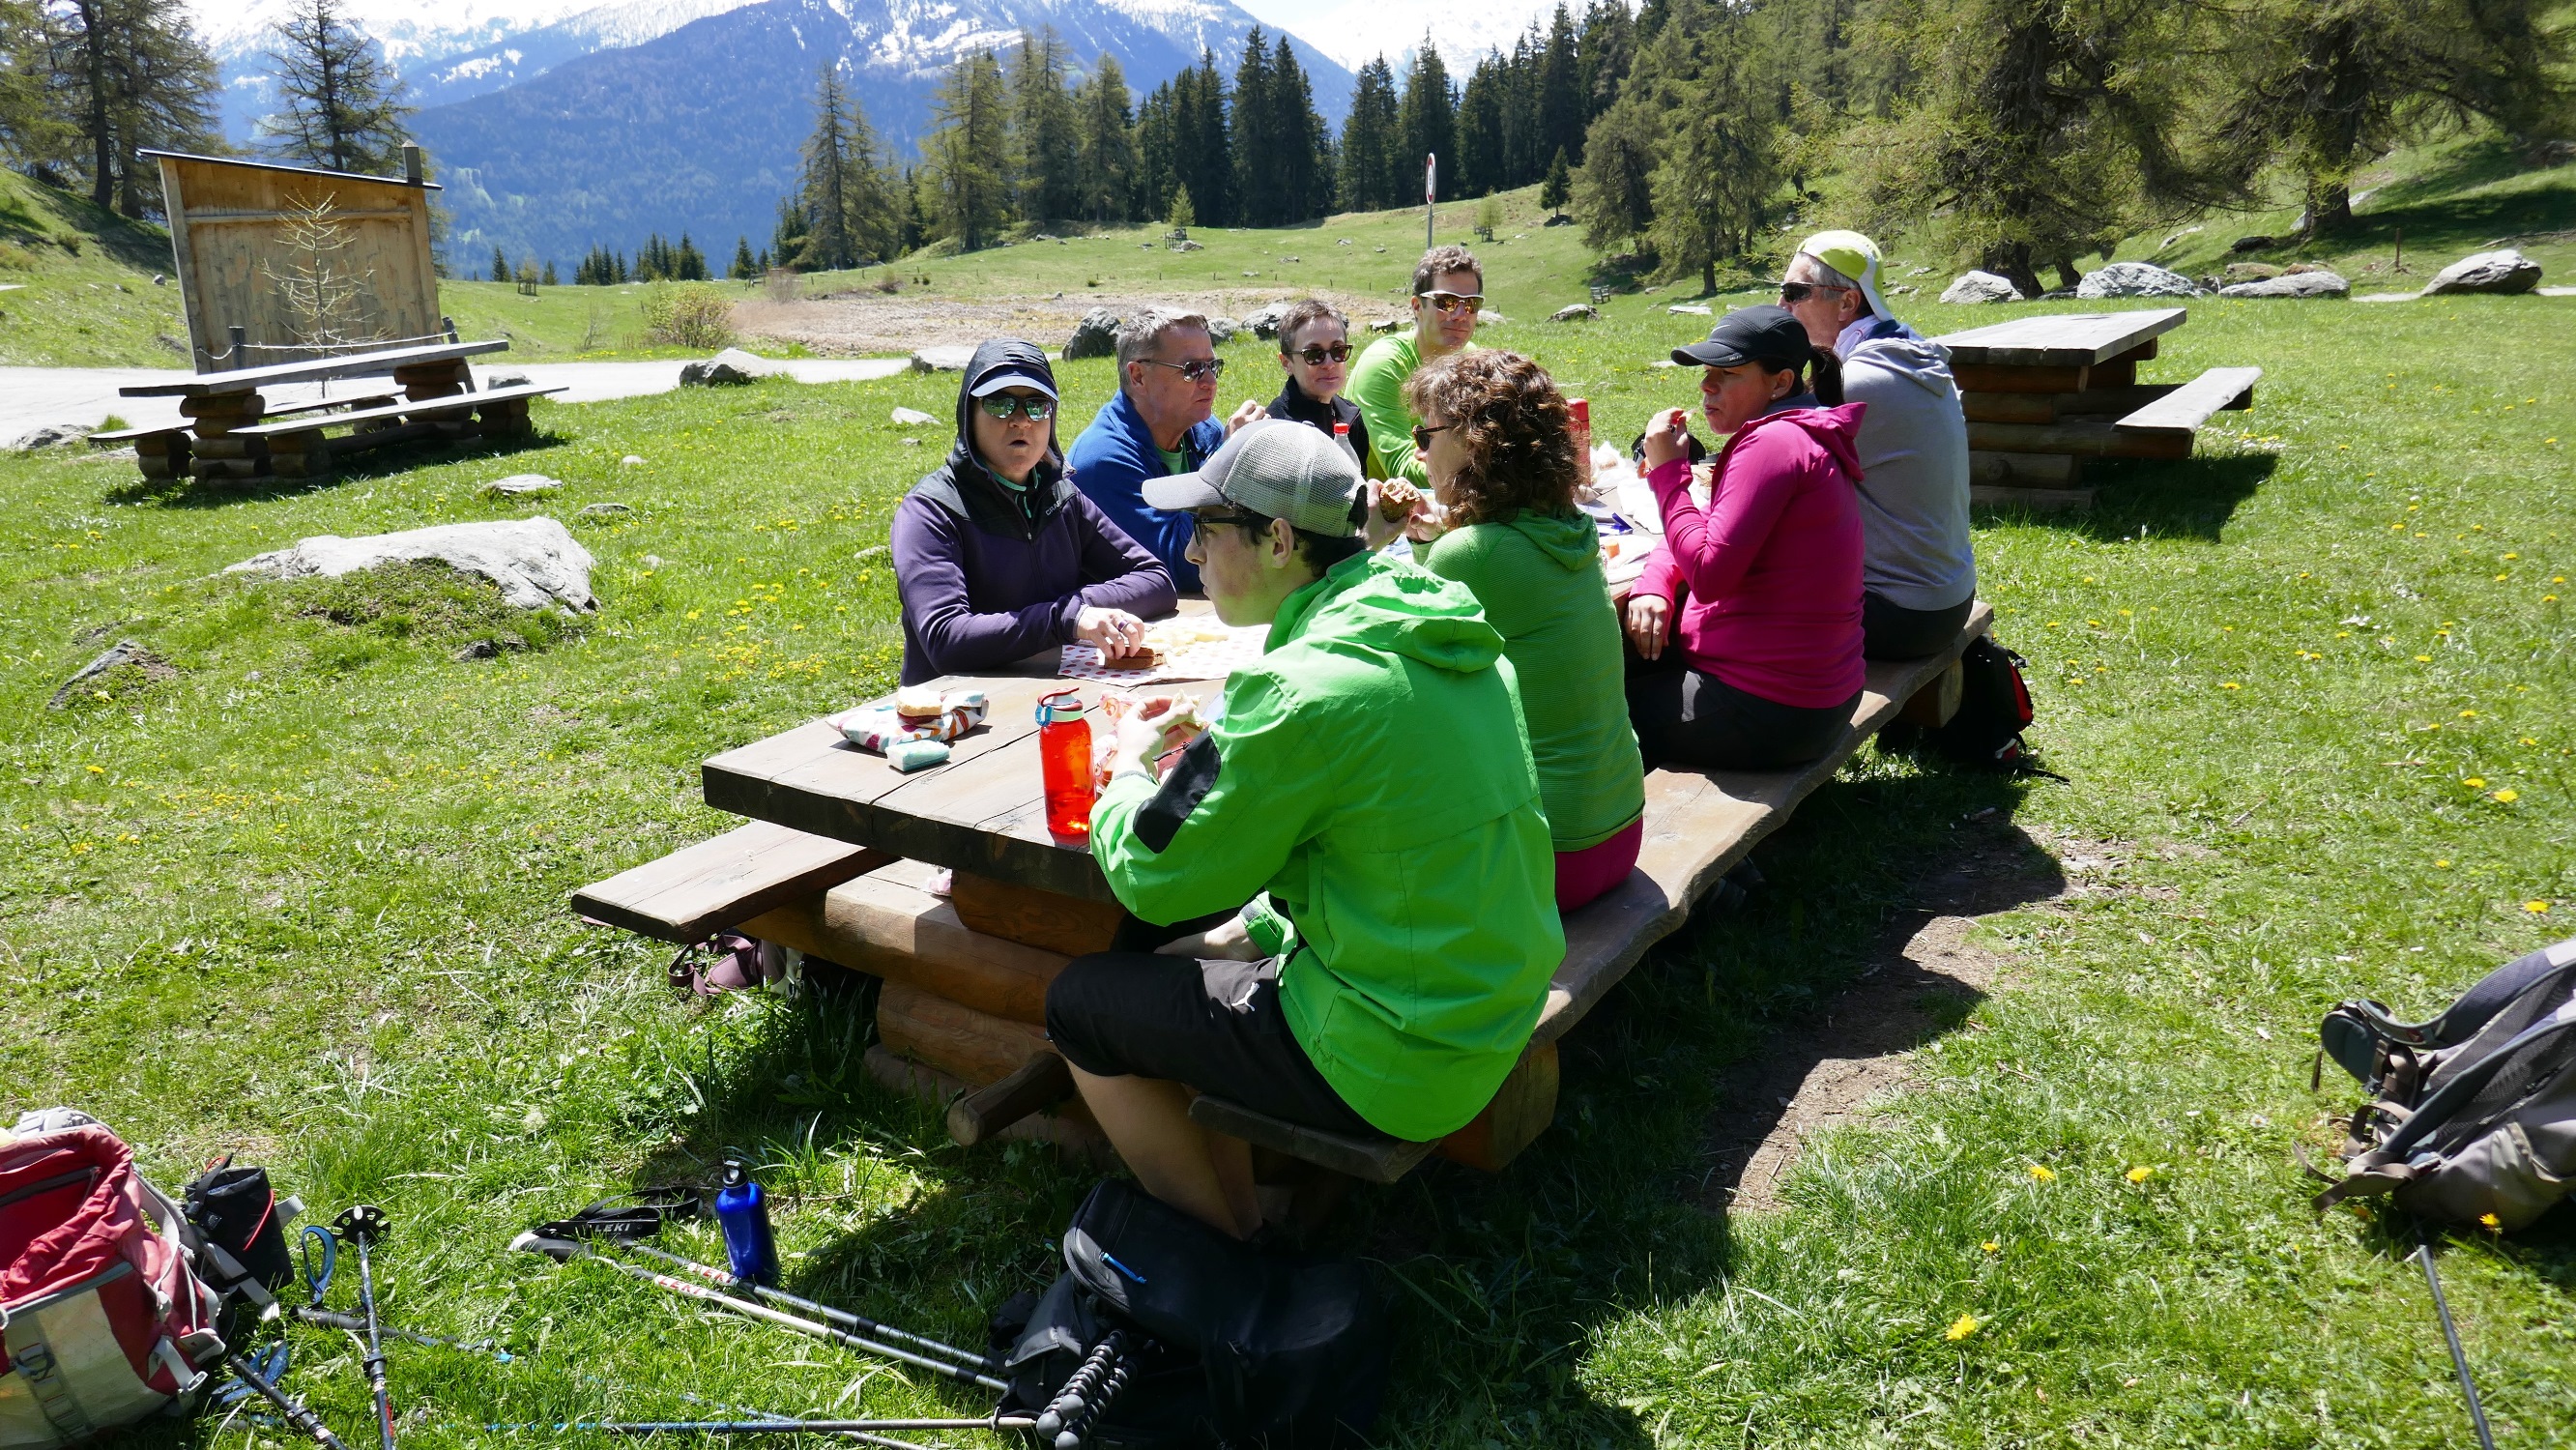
(1514, 424)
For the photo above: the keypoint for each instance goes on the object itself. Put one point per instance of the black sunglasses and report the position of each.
(1002, 405)
(1422, 435)
(1801, 291)
(1199, 523)
(1315, 354)
(1197, 370)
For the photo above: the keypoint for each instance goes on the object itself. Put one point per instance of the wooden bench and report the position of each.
(699, 890)
(298, 448)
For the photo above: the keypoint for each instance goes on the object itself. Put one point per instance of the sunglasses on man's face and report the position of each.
(1801, 291)
(1446, 303)
(1001, 406)
(1199, 524)
(1315, 355)
(1197, 370)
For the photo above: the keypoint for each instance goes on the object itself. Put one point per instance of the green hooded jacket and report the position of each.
(1372, 774)
(1539, 578)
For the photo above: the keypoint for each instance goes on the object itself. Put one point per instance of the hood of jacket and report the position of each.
(1389, 605)
(968, 489)
(1571, 539)
(1891, 346)
(1836, 430)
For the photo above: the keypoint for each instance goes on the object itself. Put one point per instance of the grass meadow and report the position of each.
(303, 899)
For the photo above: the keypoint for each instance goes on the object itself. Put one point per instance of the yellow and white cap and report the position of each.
(1853, 255)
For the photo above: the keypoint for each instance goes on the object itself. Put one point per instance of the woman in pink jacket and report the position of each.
(1765, 667)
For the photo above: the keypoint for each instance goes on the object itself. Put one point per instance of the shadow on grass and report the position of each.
(1501, 1285)
(399, 458)
(2188, 498)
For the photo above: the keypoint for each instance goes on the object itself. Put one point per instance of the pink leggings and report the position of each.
(1583, 876)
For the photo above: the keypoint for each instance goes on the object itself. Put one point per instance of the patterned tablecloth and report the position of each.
(1216, 653)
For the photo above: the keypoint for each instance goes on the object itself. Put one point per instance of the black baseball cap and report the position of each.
(1763, 333)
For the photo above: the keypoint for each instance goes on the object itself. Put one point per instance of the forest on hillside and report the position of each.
(2013, 135)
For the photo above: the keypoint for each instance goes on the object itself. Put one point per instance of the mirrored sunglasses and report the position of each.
(1448, 302)
(1003, 405)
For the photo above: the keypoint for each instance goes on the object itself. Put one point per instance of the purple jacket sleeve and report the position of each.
(930, 576)
(1118, 572)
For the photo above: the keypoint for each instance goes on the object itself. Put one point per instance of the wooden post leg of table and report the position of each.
(445, 378)
(163, 455)
(1032, 917)
(1041, 1082)
(302, 454)
(215, 452)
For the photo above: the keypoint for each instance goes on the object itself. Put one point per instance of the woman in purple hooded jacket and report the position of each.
(996, 555)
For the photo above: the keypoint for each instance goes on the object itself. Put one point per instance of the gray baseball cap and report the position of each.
(1277, 467)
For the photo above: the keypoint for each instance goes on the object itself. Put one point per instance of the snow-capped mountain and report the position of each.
(698, 129)
(1356, 32)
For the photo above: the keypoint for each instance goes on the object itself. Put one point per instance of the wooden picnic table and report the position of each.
(2044, 394)
(232, 434)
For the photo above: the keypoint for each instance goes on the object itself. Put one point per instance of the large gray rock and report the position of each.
(728, 368)
(52, 437)
(2292, 284)
(942, 359)
(1264, 320)
(519, 484)
(2135, 279)
(1981, 287)
(1095, 336)
(2502, 271)
(1221, 330)
(1579, 312)
(535, 561)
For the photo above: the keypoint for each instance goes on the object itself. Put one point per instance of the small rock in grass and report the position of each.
(2252, 244)
(912, 417)
(518, 484)
(484, 649)
(603, 510)
(2504, 272)
(1687, 309)
(2136, 279)
(2250, 271)
(122, 654)
(942, 359)
(1386, 324)
(729, 368)
(1579, 312)
(652, 561)
(51, 437)
(873, 551)
(536, 561)
(632, 460)
(1975, 286)
(2302, 284)
(1264, 320)
(1095, 336)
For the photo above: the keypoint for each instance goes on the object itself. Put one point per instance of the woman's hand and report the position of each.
(1397, 497)
(1649, 615)
(1228, 941)
(1667, 438)
(1115, 631)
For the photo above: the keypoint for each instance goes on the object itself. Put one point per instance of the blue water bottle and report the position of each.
(744, 1211)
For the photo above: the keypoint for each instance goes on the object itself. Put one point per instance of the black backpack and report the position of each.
(2473, 1114)
(1231, 1344)
(1994, 708)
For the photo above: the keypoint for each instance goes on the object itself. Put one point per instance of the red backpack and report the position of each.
(101, 1308)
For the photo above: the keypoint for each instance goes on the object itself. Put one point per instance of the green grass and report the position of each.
(305, 900)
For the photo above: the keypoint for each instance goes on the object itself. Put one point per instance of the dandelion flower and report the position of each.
(2536, 908)
(2442, 865)
(1961, 1327)
(98, 770)
(2488, 1220)
(1990, 1246)
(2468, 714)
(2506, 797)
(2046, 1174)
(2140, 1174)
(2423, 659)
(2475, 782)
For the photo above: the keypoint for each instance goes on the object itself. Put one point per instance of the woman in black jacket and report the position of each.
(1315, 351)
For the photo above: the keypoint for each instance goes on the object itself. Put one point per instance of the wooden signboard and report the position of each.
(307, 263)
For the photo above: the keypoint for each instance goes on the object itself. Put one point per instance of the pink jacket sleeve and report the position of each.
(1712, 551)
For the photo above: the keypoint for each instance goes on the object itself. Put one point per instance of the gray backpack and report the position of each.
(2473, 1114)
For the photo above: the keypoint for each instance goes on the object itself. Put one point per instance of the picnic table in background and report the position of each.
(2044, 394)
(231, 435)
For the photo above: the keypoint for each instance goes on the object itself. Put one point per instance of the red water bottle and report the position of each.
(1064, 764)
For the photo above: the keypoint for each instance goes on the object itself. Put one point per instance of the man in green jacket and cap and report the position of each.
(1401, 927)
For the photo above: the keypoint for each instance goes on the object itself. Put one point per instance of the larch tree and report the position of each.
(98, 80)
(1427, 117)
(1371, 171)
(1721, 158)
(1044, 129)
(343, 106)
(1105, 150)
(968, 148)
(1303, 171)
(824, 191)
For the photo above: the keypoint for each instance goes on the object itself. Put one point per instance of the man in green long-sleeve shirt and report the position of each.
(1448, 292)
(1401, 929)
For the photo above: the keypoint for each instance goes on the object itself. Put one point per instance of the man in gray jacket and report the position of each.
(1919, 570)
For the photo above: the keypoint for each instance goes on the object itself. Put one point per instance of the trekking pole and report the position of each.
(859, 1322)
(2451, 1333)
(794, 1427)
(566, 1250)
(862, 1436)
(360, 1226)
(332, 1319)
(287, 1405)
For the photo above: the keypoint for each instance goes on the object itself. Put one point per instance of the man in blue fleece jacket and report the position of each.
(1160, 423)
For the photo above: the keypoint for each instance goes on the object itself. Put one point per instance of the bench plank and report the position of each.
(701, 889)
(2187, 407)
(2090, 437)
(412, 408)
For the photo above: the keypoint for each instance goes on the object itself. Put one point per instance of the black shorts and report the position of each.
(1687, 718)
(1217, 1026)
(1894, 632)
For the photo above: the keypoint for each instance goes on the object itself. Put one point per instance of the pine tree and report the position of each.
(787, 239)
(500, 264)
(1481, 164)
(1204, 153)
(1723, 147)
(548, 279)
(1045, 130)
(88, 82)
(1106, 148)
(1371, 178)
(1558, 188)
(1158, 151)
(1558, 81)
(688, 263)
(966, 151)
(1603, 54)
(745, 266)
(1304, 168)
(620, 276)
(28, 130)
(343, 106)
(1257, 143)
(1613, 192)
(825, 186)
(1427, 119)
(1182, 215)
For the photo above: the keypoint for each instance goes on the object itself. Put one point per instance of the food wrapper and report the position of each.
(878, 727)
(1184, 649)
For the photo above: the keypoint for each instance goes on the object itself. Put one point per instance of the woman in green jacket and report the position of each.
(1498, 445)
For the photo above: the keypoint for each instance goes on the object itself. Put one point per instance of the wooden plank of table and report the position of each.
(1031, 917)
(2000, 378)
(887, 923)
(352, 365)
(2186, 408)
(2072, 339)
(2091, 437)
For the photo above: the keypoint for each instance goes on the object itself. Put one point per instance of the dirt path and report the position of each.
(1927, 974)
(855, 324)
